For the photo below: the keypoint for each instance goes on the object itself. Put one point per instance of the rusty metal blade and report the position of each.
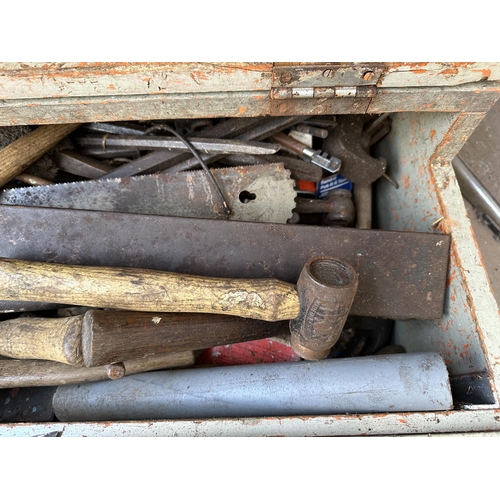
(259, 193)
(402, 275)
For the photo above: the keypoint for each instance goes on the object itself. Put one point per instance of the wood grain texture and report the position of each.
(21, 153)
(33, 180)
(113, 336)
(147, 290)
(55, 339)
(40, 373)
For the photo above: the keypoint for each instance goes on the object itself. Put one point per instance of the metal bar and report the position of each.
(161, 160)
(151, 143)
(75, 163)
(258, 133)
(115, 128)
(98, 152)
(476, 193)
(402, 275)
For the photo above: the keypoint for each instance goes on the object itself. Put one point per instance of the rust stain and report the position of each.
(485, 72)
(449, 72)
(451, 277)
(199, 75)
(406, 180)
(242, 110)
(462, 65)
(402, 420)
(466, 355)
(432, 134)
(397, 65)
(97, 69)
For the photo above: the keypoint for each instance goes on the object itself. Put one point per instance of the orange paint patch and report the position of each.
(406, 180)
(198, 75)
(402, 420)
(449, 72)
(432, 134)
(111, 87)
(485, 72)
(418, 71)
(242, 110)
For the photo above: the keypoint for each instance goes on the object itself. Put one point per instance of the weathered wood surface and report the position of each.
(55, 339)
(147, 290)
(21, 153)
(109, 336)
(40, 373)
(44, 93)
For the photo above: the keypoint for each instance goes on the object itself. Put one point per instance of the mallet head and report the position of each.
(326, 289)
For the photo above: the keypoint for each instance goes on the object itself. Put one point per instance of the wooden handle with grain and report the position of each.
(24, 151)
(54, 339)
(100, 338)
(39, 373)
(114, 336)
(147, 290)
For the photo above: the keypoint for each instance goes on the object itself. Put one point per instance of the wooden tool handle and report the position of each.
(146, 290)
(54, 339)
(21, 153)
(38, 373)
(114, 336)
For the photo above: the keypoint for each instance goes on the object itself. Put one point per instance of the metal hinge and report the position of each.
(325, 80)
(323, 92)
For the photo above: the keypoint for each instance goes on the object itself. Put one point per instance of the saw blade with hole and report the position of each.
(256, 193)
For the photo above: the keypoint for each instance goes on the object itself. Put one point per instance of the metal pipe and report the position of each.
(371, 384)
(476, 193)
(363, 205)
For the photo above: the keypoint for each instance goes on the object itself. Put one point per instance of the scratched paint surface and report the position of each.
(45, 93)
(52, 80)
(331, 425)
(439, 73)
(420, 205)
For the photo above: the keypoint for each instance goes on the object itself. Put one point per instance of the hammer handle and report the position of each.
(39, 373)
(53, 339)
(21, 153)
(100, 338)
(115, 336)
(147, 290)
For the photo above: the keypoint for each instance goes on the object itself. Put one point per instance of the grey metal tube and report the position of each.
(475, 192)
(363, 205)
(390, 383)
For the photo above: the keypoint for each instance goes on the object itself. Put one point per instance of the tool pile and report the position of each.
(168, 244)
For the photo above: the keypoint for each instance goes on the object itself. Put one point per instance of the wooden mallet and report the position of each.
(317, 306)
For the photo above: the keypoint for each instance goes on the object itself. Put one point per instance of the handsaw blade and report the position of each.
(257, 193)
